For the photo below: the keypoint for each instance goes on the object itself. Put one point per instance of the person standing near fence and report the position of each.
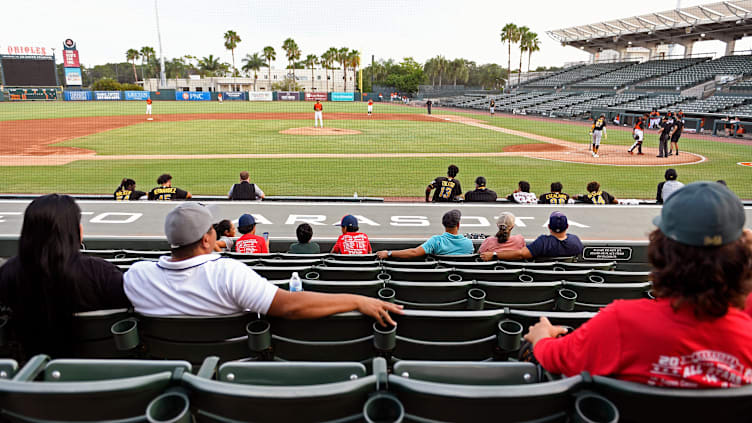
(148, 108)
(318, 114)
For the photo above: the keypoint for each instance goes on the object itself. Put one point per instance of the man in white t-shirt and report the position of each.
(194, 281)
(522, 194)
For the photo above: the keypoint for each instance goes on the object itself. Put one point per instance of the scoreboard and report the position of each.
(27, 70)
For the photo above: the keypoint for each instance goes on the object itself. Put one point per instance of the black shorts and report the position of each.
(675, 138)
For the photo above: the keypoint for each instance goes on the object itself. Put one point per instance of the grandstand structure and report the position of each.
(703, 87)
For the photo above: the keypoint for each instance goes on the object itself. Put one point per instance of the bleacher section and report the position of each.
(657, 101)
(713, 104)
(636, 73)
(598, 103)
(744, 111)
(705, 71)
(741, 86)
(565, 102)
(572, 76)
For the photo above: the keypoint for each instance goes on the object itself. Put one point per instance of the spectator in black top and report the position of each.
(557, 244)
(481, 193)
(522, 194)
(447, 188)
(127, 191)
(245, 190)
(596, 196)
(50, 280)
(555, 196)
(166, 192)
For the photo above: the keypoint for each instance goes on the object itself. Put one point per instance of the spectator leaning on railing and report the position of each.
(448, 243)
(695, 333)
(558, 244)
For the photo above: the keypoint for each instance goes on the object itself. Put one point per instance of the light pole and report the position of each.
(162, 77)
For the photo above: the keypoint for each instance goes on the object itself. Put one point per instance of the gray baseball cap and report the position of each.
(702, 214)
(187, 223)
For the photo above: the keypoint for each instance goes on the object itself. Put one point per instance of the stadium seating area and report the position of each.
(712, 104)
(705, 71)
(636, 73)
(741, 86)
(573, 75)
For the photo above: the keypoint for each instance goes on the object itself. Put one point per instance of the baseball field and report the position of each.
(87, 148)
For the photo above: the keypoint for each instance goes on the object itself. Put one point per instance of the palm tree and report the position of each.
(342, 59)
(269, 55)
(510, 34)
(145, 52)
(327, 61)
(524, 33)
(253, 63)
(310, 61)
(533, 45)
(353, 60)
(458, 70)
(441, 66)
(292, 51)
(210, 65)
(132, 55)
(231, 43)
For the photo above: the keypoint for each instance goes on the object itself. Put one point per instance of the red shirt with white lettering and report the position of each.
(352, 243)
(646, 341)
(250, 243)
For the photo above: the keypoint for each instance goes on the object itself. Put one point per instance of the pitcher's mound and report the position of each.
(319, 131)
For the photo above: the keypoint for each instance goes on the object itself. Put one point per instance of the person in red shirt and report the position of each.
(250, 242)
(318, 114)
(695, 333)
(351, 241)
(148, 107)
(370, 107)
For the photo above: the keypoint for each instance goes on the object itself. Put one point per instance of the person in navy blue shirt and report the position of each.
(558, 244)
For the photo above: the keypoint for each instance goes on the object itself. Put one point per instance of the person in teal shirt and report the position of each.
(448, 243)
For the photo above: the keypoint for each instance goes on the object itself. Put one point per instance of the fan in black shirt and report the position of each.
(127, 191)
(481, 193)
(166, 191)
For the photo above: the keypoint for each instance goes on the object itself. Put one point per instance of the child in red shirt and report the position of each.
(351, 241)
(250, 242)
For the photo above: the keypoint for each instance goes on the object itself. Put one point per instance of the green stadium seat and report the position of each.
(8, 368)
(330, 262)
(571, 259)
(353, 257)
(558, 275)
(570, 319)
(532, 265)
(289, 374)
(411, 264)
(469, 372)
(647, 404)
(367, 288)
(592, 296)
(518, 295)
(511, 275)
(422, 275)
(352, 273)
(291, 256)
(281, 272)
(456, 257)
(258, 256)
(278, 262)
(86, 390)
(611, 265)
(481, 265)
(602, 276)
(431, 295)
(92, 336)
(425, 401)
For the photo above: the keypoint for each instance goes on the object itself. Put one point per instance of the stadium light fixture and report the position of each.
(162, 77)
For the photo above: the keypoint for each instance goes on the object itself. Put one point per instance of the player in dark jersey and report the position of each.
(596, 196)
(667, 123)
(638, 133)
(492, 107)
(447, 188)
(166, 192)
(676, 132)
(597, 131)
(127, 191)
(555, 196)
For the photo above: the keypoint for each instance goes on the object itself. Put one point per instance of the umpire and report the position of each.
(667, 123)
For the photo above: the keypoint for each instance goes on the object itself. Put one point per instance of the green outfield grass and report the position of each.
(368, 177)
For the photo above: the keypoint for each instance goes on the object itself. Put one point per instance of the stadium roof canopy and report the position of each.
(726, 21)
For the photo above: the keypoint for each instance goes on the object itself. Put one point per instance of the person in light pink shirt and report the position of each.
(503, 240)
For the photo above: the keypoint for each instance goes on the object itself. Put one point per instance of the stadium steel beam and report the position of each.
(627, 25)
(734, 8)
(708, 12)
(664, 19)
(614, 27)
(643, 20)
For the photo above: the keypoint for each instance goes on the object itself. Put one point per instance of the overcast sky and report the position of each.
(104, 29)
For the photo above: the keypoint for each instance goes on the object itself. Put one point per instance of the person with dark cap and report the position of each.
(667, 187)
(448, 243)
(481, 193)
(447, 187)
(249, 242)
(351, 241)
(557, 244)
(667, 124)
(694, 334)
(194, 281)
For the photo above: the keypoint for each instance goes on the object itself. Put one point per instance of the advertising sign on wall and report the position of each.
(233, 95)
(77, 95)
(315, 96)
(343, 96)
(137, 95)
(260, 96)
(73, 76)
(192, 96)
(70, 59)
(288, 96)
(107, 95)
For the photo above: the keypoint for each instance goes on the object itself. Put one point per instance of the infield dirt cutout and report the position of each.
(22, 146)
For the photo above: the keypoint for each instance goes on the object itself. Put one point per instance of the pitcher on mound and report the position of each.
(318, 114)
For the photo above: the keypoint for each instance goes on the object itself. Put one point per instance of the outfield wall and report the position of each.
(173, 95)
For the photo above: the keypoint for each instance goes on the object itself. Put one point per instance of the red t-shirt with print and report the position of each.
(646, 341)
(250, 243)
(352, 243)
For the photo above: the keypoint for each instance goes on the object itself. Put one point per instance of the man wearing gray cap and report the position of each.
(448, 243)
(194, 281)
(694, 334)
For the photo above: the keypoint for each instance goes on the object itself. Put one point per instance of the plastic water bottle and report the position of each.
(295, 284)
(355, 195)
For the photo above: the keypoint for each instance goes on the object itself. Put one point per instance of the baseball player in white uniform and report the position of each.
(318, 114)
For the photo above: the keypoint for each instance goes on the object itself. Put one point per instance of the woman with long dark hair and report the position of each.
(50, 280)
(127, 191)
(503, 240)
(694, 334)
